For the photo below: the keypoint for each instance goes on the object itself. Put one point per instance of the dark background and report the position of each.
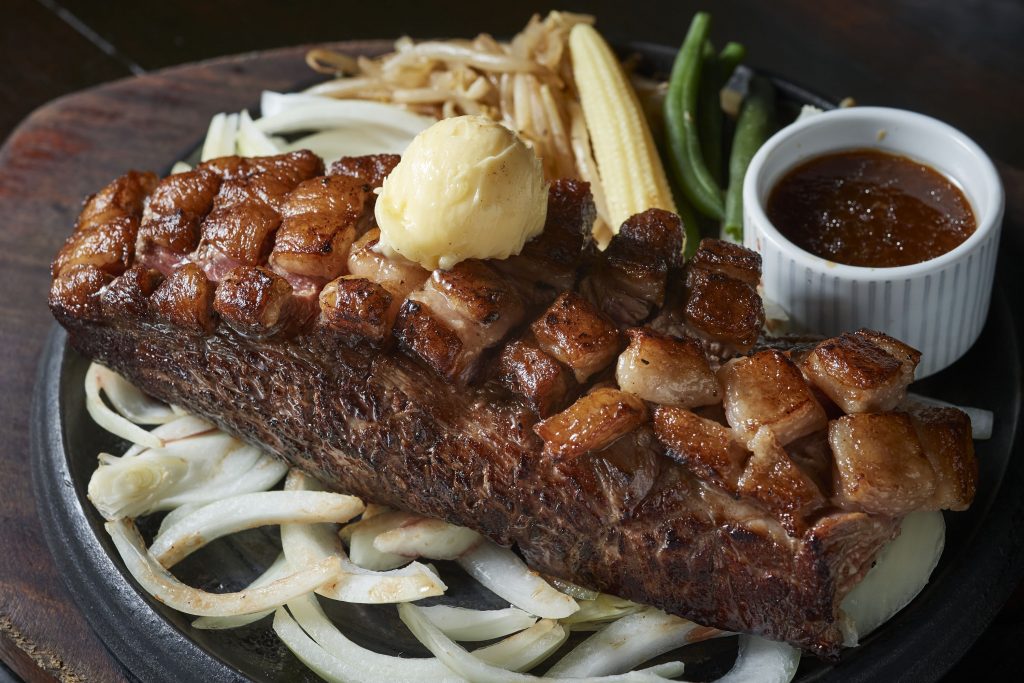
(960, 61)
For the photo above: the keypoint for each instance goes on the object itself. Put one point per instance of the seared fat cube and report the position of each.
(370, 169)
(549, 262)
(577, 334)
(719, 303)
(358, 308)
(170, 223)
(945, 435)
(666, 370)
(731, 260)
(462, 312)
(292, 167)
(185, 300)
(591, 423)
(105, 234)
(254, 301)
(772, 478)
(708, 449)
(767, 390)
(722, 309)
(239, 230)
(319, 225)
(628, 281)
(858, 372)
(880, 464)
(541, 381)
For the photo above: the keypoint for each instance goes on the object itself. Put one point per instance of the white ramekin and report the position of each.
(937, 306)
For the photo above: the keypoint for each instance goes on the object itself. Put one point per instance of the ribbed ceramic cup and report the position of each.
(938, 306)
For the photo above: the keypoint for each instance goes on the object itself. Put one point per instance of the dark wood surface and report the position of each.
(958, 61)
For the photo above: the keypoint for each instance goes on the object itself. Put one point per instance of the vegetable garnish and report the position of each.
(627, 160)
(695, 179)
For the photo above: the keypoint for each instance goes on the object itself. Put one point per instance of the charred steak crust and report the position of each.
(597, 493)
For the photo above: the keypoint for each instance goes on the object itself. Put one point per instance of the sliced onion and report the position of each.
(278, 570)
(352, 663)
(180, 167)
(176, 515)
(762, 661)
(571, 589)
(527, 648)
(114, 423)
(501, 570)
(251, 141)
(594, 614)
(159, 582)
(982, 421)
(182, 427)
(630, 641)
(200, 469)
(220, 137)
(130, 402)
(473, 669)
(304, 544)
(463, 624)
(361, 535)
(248, 511)
(900, 573)
(335, 143)
(430, 538)
(327, 113)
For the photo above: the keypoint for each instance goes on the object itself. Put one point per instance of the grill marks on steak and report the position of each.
(655, 462)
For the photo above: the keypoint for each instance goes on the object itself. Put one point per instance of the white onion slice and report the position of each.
(304, 544)
(630, 641)
(327, 113)
(247, 511)
(526, 649)
(180, 167)
(360, 536)
(594, 614)
(900, 573)
(176, 515)
(762, 661)
(130, 402)
(278, 570)
(429, 538)
(162, 585)
(352, 663)
(220, 137)
(982, 421)
(114, 423)
(473, 669)
(571, 589)
(501, 570)
(182, 427)
(335, 143)
(459, 623)
(251, 141)
(273, 103)
(200, 469)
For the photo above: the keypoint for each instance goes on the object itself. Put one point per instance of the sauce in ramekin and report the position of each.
(864, 207)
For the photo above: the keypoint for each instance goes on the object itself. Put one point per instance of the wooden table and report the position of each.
(961, 62)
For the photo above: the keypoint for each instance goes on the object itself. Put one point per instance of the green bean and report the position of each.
(717, 69)
(754, 125)
(688, 163)
(709, 113)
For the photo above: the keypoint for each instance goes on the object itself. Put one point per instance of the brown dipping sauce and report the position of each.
(863, 207)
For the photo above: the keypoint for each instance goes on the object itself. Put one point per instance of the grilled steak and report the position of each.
(599, 411)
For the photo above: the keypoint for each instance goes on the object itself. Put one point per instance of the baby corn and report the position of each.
(627, 160)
